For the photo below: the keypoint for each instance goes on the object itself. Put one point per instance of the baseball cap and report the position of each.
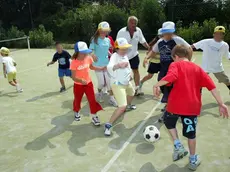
(168, 27)
(5, 51)
(159, 31)
(82, 47)
(219, 29)
(104, 26)
(122, 43)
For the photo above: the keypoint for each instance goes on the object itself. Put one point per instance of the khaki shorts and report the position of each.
(11, 76)
(121, 92)
(222, 77)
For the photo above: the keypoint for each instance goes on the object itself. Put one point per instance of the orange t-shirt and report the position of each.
(82, 68)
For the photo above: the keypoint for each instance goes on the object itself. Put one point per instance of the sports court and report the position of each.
(38, 131)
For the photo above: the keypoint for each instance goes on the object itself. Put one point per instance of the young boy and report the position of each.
(214, 50)
(9, 68)
(185, 101)
(63, 58)
(164, 46)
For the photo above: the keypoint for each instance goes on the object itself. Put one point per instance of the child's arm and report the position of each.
(223, 109)
(156, 88)
(4, 70)
(97, 68)
(50, 63)
(75, 79)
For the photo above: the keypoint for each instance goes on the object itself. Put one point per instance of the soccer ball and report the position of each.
(151, 134)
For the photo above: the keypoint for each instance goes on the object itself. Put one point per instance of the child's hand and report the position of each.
(123, 64)
(95, 59)
(156, 91)
(223, 109)
(83, 82)
(145, 62)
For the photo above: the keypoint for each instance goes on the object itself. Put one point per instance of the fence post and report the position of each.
(28, 42)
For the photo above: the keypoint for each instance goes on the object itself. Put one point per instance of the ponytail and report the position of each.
(95, 37)
(74, 56)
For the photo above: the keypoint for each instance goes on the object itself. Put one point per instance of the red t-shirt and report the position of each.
(112, 45)
(187, 79)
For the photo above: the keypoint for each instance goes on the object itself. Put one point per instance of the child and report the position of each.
(154, 63)
(213, 51)
(80, 66)
(9, 68)
(164, 46)
(63, 58)
(101, 44)
(120, 71)
(111, 46)
(185, 101)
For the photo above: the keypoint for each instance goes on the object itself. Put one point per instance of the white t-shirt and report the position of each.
(213, 52)
(138, 37)
(119, 76)
(9, 63)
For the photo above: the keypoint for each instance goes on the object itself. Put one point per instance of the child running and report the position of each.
(213, 51)
(63, 58)
(154, 63)
(164, 46)
(185, 101)
(100, 44)
(9, 68)
(80, 66)
(120, 72)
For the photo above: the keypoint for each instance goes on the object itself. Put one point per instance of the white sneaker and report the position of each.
(20, 90)
(112, 101)
(138, 92)
(107, 131)
(99, 97)
(95, 120)
(77, 116)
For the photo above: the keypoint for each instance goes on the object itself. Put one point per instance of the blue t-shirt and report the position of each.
(101, 50)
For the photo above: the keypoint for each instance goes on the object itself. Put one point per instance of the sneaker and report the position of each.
(62, 89)
(77, 116)
(99, 97)
(138, 92)
(20, 90)
(161, 119)
(130, 107)
(113, 102)
(194, 164)
(179, 153)
(95, 120)
(108, 127)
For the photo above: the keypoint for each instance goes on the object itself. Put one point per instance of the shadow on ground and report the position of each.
(63, 124)
(148, 167)
(10, 94)
(46, 95)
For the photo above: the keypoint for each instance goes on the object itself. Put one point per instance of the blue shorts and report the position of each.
(134, 62)
(64, 72)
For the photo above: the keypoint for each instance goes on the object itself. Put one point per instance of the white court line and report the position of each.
(118, 153)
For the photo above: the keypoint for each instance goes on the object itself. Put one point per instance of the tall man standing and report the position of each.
(134, 35)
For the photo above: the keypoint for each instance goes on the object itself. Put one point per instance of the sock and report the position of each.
(177, 143)
(228, 87)
(137, 87)
(94, 115)
(192, 158)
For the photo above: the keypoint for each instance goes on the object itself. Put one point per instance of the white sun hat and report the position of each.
(104, 26)
(82, 47)
(122, 43)
(159, 31)
(168, 27)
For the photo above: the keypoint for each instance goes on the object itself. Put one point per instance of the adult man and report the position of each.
(214, 50)
(134, 35)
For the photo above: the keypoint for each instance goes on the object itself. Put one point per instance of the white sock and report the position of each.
(137, 87)
(94, 115)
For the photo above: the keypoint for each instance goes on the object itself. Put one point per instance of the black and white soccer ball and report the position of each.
(151, 134)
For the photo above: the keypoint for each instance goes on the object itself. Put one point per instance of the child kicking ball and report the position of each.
(184, 101)
(63, 58)
(120, 72)
(9, 68)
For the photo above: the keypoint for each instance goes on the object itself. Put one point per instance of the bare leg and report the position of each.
(62, 82)
(146, 78)
(110, 92)
(129, 99)
(13, 83)
(192, 146)
(116, 114)
(173, 133)
(136, 77)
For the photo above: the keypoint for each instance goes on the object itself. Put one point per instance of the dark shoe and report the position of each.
(62, 89)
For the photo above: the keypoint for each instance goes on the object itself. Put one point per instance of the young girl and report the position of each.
(101, 44)
(154, 63)
(9, 68)
(120, 72)
(80, 66)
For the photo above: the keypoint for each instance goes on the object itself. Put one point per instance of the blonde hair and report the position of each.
(95, 37)
(133, 18)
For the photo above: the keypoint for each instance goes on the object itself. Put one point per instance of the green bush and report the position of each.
(40, 38)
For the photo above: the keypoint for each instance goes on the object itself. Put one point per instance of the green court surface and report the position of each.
(39, 134)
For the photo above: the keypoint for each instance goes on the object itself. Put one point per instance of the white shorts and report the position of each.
(103, 79)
